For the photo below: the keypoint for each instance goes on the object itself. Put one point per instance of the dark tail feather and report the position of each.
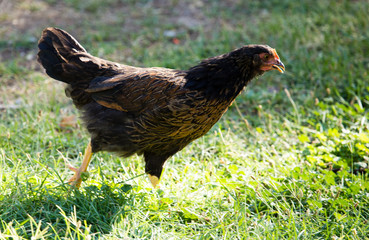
(65, 59)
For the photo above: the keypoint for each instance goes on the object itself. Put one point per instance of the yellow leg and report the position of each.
(154, 180)
(76, 179)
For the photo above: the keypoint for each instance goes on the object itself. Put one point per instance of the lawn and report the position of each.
(289, 160)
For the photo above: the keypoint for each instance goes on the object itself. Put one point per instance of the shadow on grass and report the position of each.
(94, 207)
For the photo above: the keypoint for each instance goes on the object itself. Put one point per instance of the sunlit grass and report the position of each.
(289, 160)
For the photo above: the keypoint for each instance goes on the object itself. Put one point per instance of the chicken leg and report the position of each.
(76, 180)
(154, 180)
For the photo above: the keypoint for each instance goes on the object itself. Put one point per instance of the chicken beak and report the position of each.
(279, 66)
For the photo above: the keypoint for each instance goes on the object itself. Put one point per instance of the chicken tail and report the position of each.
(65, 60)
(59, 54)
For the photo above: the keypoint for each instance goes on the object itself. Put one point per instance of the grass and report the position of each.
(289, 160)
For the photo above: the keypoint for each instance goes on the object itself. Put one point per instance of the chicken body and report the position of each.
(151, 111)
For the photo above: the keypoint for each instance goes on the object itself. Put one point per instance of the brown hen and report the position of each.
(150, 111)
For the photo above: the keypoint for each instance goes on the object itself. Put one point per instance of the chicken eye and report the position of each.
(266, 57)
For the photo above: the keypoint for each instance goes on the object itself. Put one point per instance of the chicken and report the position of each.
(154, 112)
